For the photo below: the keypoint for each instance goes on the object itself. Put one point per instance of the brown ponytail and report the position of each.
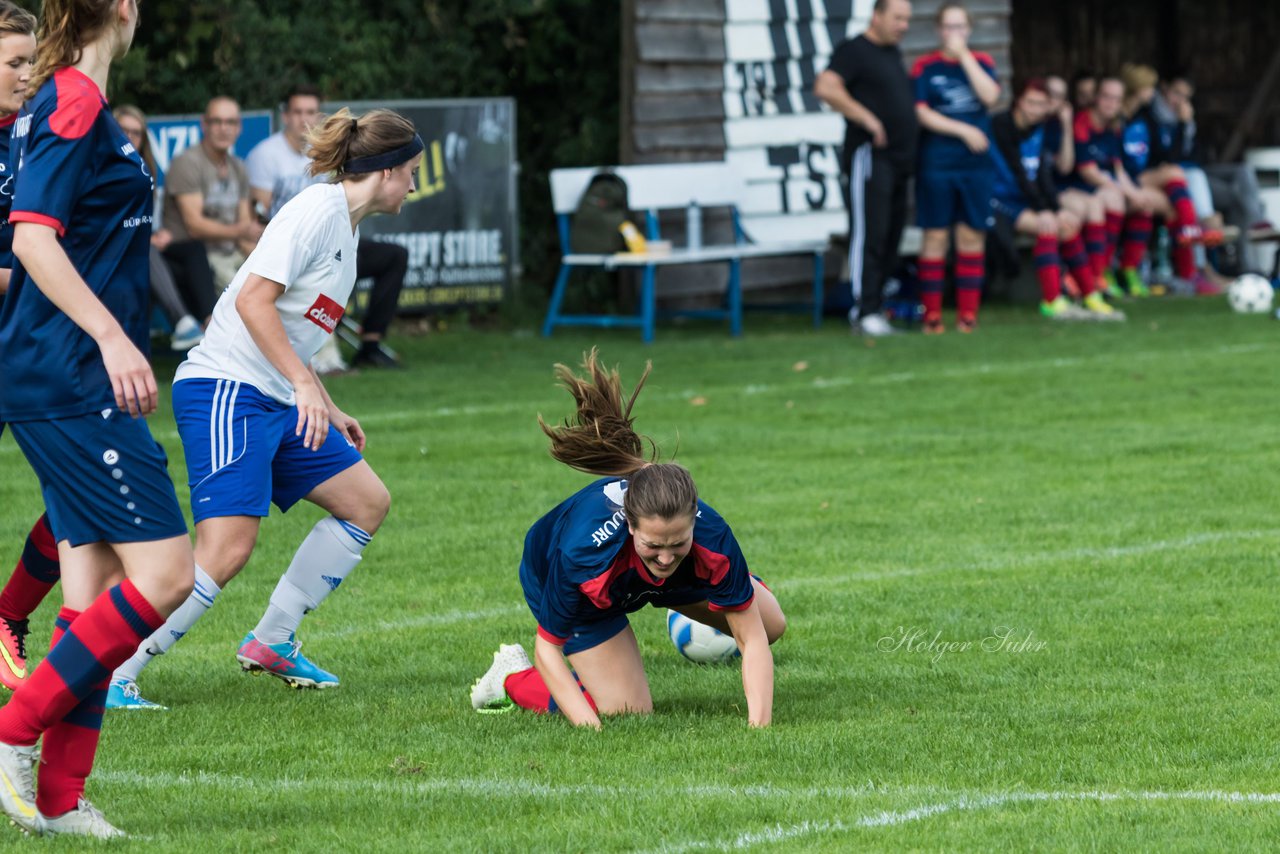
(600, 440)
(343, 137)
(66, 26)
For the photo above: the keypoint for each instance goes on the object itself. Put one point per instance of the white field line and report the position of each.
(1014, 561)
(890, 818)
(410, 786)
(817, 382)
(446, 618)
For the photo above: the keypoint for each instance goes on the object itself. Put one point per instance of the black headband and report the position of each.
(385, 160)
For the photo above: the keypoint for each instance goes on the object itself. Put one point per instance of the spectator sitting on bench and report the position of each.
(1161, 184)
(207, 193)
(181, 281)
(279, 169)
(1025, 195)
(1231, 188)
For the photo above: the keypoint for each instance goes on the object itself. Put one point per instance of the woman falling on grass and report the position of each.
(638, 536)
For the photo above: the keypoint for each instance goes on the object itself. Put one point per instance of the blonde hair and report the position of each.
(16, 21)
(601, 440)
(1137, 77)
(947, 7)
(66, 27)
(148, 157)
(342, 137)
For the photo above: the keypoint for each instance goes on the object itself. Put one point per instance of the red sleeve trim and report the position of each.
(710, 566)
(744, 606)
(920, 64)
(984, 58)
(38, 219)
(550, 638)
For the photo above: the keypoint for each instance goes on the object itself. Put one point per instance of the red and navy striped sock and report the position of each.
(1048, 267)
(1114, 227)
(97, 641)
(527, 690)
(1184, 261)
(1079, 263)
(69, 746)
(1095, 243)
(1137, 234)
(1180, 198)
(34, 576)
(971, 270)
(932, 274)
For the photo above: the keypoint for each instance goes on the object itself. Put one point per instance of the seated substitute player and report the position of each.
(37, 570)
(954, 87)
(1160, 181)
(254, 417)
(638, 536)
(1100, 173)
(1024, 192)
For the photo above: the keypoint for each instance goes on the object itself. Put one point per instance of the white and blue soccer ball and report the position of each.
(698, 642)
(1250, 294)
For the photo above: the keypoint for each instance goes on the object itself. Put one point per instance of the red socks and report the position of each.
(1095, 243)
(101, 638)
(34, 576)
(66, 756)
(1114, 226)
(527, 690)
(932, 274)
(1079, 263)
(1048, 267)
(970, 273)
(1180, 198)
(1137, 234)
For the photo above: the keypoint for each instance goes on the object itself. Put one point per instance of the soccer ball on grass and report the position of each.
(698, 642)
(1250, 294)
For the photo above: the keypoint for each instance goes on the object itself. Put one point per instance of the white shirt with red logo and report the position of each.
(310, 248)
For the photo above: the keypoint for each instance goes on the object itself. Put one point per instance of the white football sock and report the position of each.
(179, 623)
(327, 556)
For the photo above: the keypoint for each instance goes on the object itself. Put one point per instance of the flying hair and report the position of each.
(601, 440)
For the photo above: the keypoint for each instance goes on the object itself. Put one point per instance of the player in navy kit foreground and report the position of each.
(255, 419)
(73, 336)
(37, 570)
(639, 536)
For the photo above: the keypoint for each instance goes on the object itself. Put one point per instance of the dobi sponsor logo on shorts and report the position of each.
(325, 313)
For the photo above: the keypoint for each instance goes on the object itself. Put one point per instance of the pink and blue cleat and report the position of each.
(283, 661)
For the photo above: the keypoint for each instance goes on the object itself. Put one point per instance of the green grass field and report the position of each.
(1103, 494)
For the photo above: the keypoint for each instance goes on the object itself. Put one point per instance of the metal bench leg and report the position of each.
(557, 297)
(648, 302)
(735, 298)
(819, 297)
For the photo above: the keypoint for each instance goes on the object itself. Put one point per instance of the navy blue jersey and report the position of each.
(6, 193)
(1023, 167)
(1098, 145)
(1136, 139)
(580, 565)
(78, 174)
(1052, 136)
(942, 84)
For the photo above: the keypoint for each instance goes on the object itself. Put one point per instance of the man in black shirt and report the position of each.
(868, 85)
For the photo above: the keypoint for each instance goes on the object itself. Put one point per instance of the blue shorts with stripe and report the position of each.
(242, 454)
(947, 197)
(103, 477)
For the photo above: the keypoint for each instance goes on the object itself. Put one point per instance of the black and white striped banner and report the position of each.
(783, 141)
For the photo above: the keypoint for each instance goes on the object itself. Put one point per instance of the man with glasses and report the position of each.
(207, 193)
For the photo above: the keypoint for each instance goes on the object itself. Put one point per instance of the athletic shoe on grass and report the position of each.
(284, 661)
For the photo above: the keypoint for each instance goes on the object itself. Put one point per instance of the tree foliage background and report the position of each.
(557, 58)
